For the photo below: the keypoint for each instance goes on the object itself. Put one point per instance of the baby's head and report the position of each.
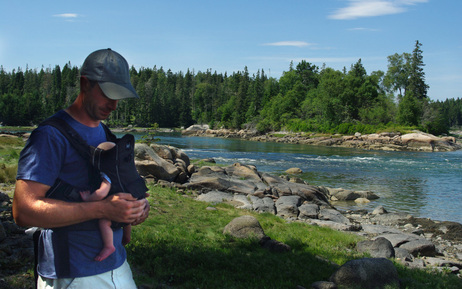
(106, 145)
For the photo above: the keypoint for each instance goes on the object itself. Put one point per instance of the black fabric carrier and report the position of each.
(117, 163)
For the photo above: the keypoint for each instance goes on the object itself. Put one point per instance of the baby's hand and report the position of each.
(85, 195)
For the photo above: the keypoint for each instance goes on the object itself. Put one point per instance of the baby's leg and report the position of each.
(108, 242)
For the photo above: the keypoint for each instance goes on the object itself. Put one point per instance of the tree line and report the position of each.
(305, 98)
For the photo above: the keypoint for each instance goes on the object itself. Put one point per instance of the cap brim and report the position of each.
(118, 91)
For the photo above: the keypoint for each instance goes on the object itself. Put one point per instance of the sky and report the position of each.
(227, 36)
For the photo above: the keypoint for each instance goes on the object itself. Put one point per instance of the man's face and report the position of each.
(97, 104)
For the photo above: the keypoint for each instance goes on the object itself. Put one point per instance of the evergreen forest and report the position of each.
(306, 98)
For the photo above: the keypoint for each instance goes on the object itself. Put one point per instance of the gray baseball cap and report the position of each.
(111, 71)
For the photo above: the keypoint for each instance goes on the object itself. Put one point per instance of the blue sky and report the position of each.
(227, 36)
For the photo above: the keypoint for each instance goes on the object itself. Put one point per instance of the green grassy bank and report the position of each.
(181, 245)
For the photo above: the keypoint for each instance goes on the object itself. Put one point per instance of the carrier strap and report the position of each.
(79, 144)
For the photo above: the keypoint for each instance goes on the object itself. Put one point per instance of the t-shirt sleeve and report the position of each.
(42, 157)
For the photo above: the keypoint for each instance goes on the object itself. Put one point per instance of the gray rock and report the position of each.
(379, 229)
(215, 197)
(335, 225)
(263, 205)
(323, 285)
(244, 227)
(379, 211)
(294, 171)
(334, 216)
(366, 273)
(378, 248)
(287, 206)
(244, 200)
(308, 211)
(390, 219)
(403, 254)
(149, 163)
(398, 239)
(420, 247)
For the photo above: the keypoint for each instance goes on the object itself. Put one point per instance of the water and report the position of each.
(422, 184)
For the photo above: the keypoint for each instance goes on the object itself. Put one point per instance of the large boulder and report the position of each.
(366, 273)
(244, 227)
(147, 163)
(378, 248)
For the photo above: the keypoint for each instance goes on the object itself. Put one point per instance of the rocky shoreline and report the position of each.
(416, 242)
(387, 141)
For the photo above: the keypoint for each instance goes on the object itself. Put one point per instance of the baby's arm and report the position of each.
(100, 193)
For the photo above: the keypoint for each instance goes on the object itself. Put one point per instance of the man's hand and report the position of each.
(145, 213)
(124, 208)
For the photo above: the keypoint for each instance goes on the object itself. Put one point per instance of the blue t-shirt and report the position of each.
(47, 156)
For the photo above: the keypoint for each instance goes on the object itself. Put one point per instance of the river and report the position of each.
(422, 184)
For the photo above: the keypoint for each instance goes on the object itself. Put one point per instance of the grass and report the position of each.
(10, 147)
(181, 245)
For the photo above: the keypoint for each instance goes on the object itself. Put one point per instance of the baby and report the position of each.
(105, 224)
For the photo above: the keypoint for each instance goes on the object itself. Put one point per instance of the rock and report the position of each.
(294, 171)
(244, 201)
(191, 169)
(287, 206)
(378, 248)
(390, 219)
(263, 205)
(215, 197)
(209, 160)
(348, 195)
(380, 210)
(334, 216)
(323, 285)
(336, 226)
(403, 254)
(366, 273)
(415, 245)
(309, 211)
(379, 229)
(244, 227)
(362, 201)
(147, 162)
(420, 247)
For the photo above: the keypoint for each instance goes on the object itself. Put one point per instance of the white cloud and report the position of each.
(67, 15)
(289, 43)
(362, 29)
(371, 8)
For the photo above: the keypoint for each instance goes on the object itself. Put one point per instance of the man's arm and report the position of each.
(32, 208)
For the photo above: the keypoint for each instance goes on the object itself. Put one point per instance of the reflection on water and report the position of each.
(422, 184)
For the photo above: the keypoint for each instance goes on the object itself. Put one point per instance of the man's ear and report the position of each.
(84, 83)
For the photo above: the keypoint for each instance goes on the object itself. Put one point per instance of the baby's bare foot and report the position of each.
(106, 252)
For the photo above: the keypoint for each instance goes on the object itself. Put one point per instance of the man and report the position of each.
(66, 253)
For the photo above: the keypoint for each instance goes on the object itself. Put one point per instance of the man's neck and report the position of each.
(77, 112)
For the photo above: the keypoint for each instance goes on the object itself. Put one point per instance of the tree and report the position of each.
(416, 83)
(397, 76)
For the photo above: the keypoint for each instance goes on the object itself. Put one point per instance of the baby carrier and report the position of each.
(117, 163)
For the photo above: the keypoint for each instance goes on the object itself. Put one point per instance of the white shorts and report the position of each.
(118, 278)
